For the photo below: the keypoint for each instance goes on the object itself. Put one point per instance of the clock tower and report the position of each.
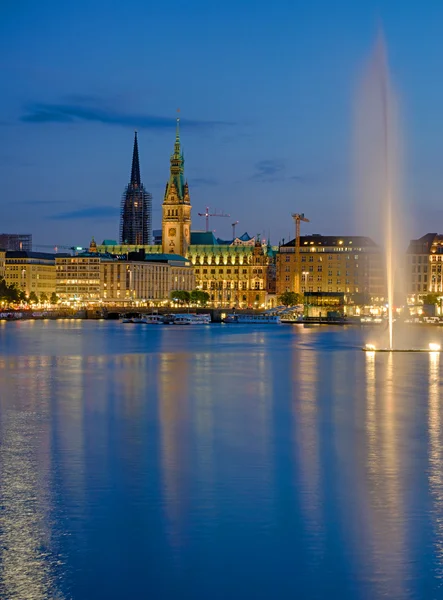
(176, 218)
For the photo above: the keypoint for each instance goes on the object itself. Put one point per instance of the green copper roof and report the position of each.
(203, 238)
(177, 168)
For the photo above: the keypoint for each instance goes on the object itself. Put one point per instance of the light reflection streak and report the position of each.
(27, 560)
(173, 400)
(305, 423)
(435, 454)
(389, 547)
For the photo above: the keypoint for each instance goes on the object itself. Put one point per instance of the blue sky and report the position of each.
(266, 94)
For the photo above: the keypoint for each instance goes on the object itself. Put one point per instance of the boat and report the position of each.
(184, 320)
(125, 319)
(137, 319)
(260, 319)
(152, 320)
(201, 318)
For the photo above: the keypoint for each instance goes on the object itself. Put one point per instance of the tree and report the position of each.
(181, 296)
(8, 293)
(361, 298)
(199, 297)
(33, 298)
(431, 299)
(290, 299)
(43, 297)
(54, 298)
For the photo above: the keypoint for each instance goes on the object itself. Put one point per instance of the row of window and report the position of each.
(310, 258)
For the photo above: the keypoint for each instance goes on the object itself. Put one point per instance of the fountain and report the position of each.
(379, 151)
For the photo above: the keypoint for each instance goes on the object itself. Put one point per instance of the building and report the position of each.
(2, 263)
(238, 275)
(424, 260)
(176, 210)
(324, 305)
(238, 272)
(78, 277)
(31, 272)
(348, 264)
(136, 207)
(129, 279)
(16, 241)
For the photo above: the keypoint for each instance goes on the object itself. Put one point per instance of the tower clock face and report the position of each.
(172, 231)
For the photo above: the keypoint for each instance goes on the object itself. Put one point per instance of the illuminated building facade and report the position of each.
(176, 209)
(31, 272)
(238, 272)
(348, 264)
(424, 261)
(94, 277)
(2, 264)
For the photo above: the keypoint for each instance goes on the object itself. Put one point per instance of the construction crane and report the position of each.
(55, 248)
(207, 214)
(298, 217)
(233, 229)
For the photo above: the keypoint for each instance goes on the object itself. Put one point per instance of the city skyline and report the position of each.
(266, 129)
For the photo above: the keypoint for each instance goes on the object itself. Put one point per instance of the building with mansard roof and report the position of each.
(340, 264)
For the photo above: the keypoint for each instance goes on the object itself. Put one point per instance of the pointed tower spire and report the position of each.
(135, 171)
(177, 149)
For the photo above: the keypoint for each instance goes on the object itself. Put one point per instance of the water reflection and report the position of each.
(175, 450)
(436, 457)
(387, 526)
(218, 464)
(28, 559)
(307, 454)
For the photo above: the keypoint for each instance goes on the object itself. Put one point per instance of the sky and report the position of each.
(266, 93)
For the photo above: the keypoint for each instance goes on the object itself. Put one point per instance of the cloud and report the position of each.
(269, 170)
(87, 111)
(42, 202)
(201, 181)
(91, 212)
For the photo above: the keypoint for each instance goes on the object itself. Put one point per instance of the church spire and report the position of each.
(135, 171)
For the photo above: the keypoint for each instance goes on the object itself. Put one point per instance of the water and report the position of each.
(217, 462)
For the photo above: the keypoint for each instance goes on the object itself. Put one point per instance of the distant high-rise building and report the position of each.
(136, 207)
(16, 242)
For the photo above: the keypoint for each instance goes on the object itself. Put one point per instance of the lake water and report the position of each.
(217, 462)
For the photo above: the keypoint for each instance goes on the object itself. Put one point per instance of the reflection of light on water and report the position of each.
(26, 560)
(173, 389)
(305, 424)
(383, 466)
(436, 455)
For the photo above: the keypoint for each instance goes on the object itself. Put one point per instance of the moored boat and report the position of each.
(152, 320)
(251, 319)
